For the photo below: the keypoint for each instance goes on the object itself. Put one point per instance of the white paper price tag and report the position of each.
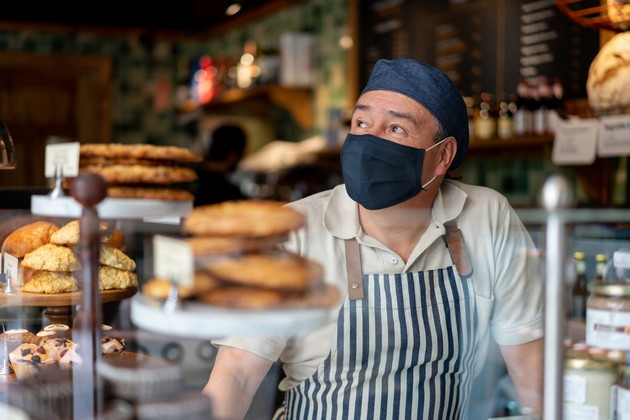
(614, 136)
(64, 156)
(173, 260)
(11, 267)
(575, 142)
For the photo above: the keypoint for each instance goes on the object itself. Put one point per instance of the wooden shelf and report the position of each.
(297, 101)
(514, 142)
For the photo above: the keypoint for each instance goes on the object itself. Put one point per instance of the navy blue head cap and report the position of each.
(432, 89)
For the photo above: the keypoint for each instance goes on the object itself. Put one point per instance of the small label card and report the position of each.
(11, 268)
(64, 157)
(173, 260)
(575, 142)
(614, 136)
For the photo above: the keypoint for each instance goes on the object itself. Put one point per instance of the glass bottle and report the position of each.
(505, 121)
(600, 268)
(522, 112)
(485, 121)
(579, 292)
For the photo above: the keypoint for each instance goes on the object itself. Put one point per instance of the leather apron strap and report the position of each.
(353, 269)
(455, 243)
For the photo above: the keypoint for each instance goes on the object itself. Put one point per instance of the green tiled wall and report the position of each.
(141, 64)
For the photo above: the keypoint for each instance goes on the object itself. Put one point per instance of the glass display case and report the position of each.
(167, 353)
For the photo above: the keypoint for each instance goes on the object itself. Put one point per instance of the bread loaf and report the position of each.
(608, 84)
(28, 238)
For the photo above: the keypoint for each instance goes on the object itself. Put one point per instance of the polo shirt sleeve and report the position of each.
(269, 348)
(517, 311)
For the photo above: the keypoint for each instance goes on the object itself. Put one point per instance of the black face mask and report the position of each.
(379, 173)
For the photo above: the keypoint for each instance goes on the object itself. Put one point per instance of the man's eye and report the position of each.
(398, 129)
(360, 124)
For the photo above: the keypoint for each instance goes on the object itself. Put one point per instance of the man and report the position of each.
(420, 303)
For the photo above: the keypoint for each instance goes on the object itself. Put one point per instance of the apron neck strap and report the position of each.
(353, 268)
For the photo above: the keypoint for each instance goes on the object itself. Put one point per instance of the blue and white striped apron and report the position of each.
(405, 350)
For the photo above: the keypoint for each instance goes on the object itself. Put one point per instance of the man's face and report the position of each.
(394, 117)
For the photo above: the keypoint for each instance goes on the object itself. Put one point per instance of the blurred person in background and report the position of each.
(429, 269)
(227, 148)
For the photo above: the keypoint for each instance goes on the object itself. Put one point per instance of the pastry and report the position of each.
(50, 282)
(258, 298)
(279, 270)
(158, 288)
(152, 193)
(138, 151)
(55, 331)
(29, 359)
(52, 257)
(68, 235)
(213, 245)
(28, 238)
(127, 174)
(608, 83)
(114, 278)
(248, 218)
(17, 336)
(114, 257)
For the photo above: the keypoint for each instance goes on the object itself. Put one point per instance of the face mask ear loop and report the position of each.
(434, 176)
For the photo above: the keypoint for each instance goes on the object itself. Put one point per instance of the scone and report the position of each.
(110, 278)
(52, 282)
(51, 257)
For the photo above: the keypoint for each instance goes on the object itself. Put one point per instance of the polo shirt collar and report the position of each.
(341, 216)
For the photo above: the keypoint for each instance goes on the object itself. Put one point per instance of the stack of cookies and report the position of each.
(141, 170)
(237, 244)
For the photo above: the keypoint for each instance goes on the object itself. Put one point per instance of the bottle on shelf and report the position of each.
(470, 110)
(556, 105)
(579, 291)
(541, 117)
(522, 114)
(485, 118)
(505, 120)
(600, 268)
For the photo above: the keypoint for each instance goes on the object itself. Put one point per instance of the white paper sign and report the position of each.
(64, 156)
(173, 260)
(575, 142)
(614, 136)
(11, 264)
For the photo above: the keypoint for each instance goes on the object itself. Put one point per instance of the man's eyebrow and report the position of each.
(402, 115)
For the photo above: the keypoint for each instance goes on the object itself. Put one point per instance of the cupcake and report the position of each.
(29, 359)
(15, 337)
(111, 345)
(69, 357)
(56, 347)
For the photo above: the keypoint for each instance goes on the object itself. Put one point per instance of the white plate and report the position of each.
(197, 320)
(111, 208)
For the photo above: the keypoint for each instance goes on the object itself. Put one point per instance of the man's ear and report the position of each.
(447, 154)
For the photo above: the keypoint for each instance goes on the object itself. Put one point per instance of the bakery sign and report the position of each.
(614, 135)
(575, 142)
(173, 260)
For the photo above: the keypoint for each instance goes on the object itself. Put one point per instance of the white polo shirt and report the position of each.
(506, 269)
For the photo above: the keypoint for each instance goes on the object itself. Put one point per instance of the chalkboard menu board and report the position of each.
(484, 45)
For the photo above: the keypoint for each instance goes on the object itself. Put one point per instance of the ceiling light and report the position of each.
(232, 9)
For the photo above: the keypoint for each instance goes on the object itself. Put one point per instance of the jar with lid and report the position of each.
(588, 387)
(608, 316)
